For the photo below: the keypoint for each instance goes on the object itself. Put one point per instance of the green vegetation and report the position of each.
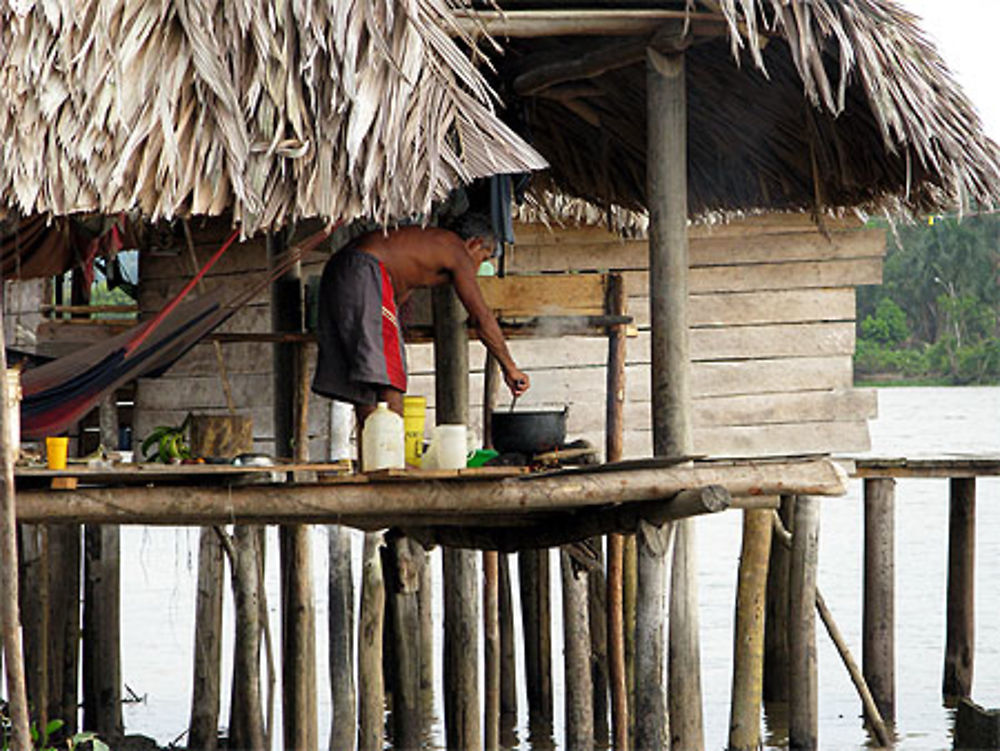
(936, 317)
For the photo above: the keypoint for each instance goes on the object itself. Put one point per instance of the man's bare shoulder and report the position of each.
(424, 243)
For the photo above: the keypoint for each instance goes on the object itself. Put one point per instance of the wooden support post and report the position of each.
(598, 622)
(101, 632)
(203, 728)
(579, 705)
(748, 642)
(878, 619)
(959, 651)
(491, 639)
(246, 718)
(426, 606)
(461, 617)
(401, 564)
(35, 610)
(616, 645)
(508, 658)
(341, 627)
(666, 190)
(298, 633)
(533, 566)
(630, 587)
(371, 692)
(64, 635)
(803, 734)
(776, 620)
(218, 436)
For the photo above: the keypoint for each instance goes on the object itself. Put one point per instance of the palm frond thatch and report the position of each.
(273, 111)
(797, 104)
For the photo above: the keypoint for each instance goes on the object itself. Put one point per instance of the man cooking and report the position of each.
(361, 357)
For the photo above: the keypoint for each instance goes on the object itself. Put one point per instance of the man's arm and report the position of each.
(464, 279)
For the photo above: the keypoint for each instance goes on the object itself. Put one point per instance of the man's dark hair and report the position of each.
(473, 224)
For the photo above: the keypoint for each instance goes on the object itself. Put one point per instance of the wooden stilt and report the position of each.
(341, 628)
(246, 721)
(666, 189)
(959, 654)
(101, 632)
(579, 705)
(533, 566)
(425, 604)
(686, 726)
(401, 571)
(508, 658)
(298, 648)
(748, 650)
(776, 620)
(64, 599)
(803, 732)
(878, 618)
(461, 599)
(35, 609)
(630, 587)
(371, 693)
(491, 639)
(203, 728)
(597, 594)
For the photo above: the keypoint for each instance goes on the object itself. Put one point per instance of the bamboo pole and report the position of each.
(491, 638)
(959, 654)
(803, 703)
(748, 643)
(776, 620)
(371, 692)
(579, 706)
(341, 626)
(878, 617)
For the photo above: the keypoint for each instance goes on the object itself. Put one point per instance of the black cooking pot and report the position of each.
(528, 432)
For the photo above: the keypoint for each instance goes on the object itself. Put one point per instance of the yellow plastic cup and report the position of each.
(55, 451)
(414, 416)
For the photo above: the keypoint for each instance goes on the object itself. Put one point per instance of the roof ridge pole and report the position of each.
(666, 186)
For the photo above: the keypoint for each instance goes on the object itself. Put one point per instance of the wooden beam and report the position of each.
(618, 22)
(451, 497)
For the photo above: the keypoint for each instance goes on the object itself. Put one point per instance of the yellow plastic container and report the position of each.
(55, 451)
(414, 417)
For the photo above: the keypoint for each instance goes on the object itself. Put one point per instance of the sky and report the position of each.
(965, 33)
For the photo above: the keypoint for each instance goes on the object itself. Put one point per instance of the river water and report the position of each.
(159, 571)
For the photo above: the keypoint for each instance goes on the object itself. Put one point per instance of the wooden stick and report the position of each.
(748, 642)
(803, 702)
(17, 695)
(579, 706)
(630, 587)
(341, 626)
(878, 618)
(776, 621)
(371, 692)
(545, 23)
(491, 637)
(868, 704)
(961, 628)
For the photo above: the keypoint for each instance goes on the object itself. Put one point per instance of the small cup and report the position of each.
(55, 451)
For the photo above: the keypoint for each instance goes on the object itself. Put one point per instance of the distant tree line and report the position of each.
(936, 316)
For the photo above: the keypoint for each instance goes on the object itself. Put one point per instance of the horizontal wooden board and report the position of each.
(238, 357)
(617, 255)
(562, 294)
(769, 224)
(783, 440)
(754, 308)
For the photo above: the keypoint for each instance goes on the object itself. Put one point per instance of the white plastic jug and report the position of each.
(448, 448)
(382, 440)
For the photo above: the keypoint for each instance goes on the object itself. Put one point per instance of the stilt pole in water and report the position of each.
(803, 701)
(748, 644)
(878, 656)
(491, 639)
(959, 654)
(579, 705)
(776, 619)
(341, 628)
(533, 567)
(371, 691)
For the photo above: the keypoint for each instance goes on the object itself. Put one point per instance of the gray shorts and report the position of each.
(360, 341)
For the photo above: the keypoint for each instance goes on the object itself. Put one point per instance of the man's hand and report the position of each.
(517, 381)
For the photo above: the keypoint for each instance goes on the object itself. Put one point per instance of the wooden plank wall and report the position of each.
(193, 384)
(772, 336)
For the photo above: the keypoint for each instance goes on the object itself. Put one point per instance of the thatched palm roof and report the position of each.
(792, 104)
(272, 111)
